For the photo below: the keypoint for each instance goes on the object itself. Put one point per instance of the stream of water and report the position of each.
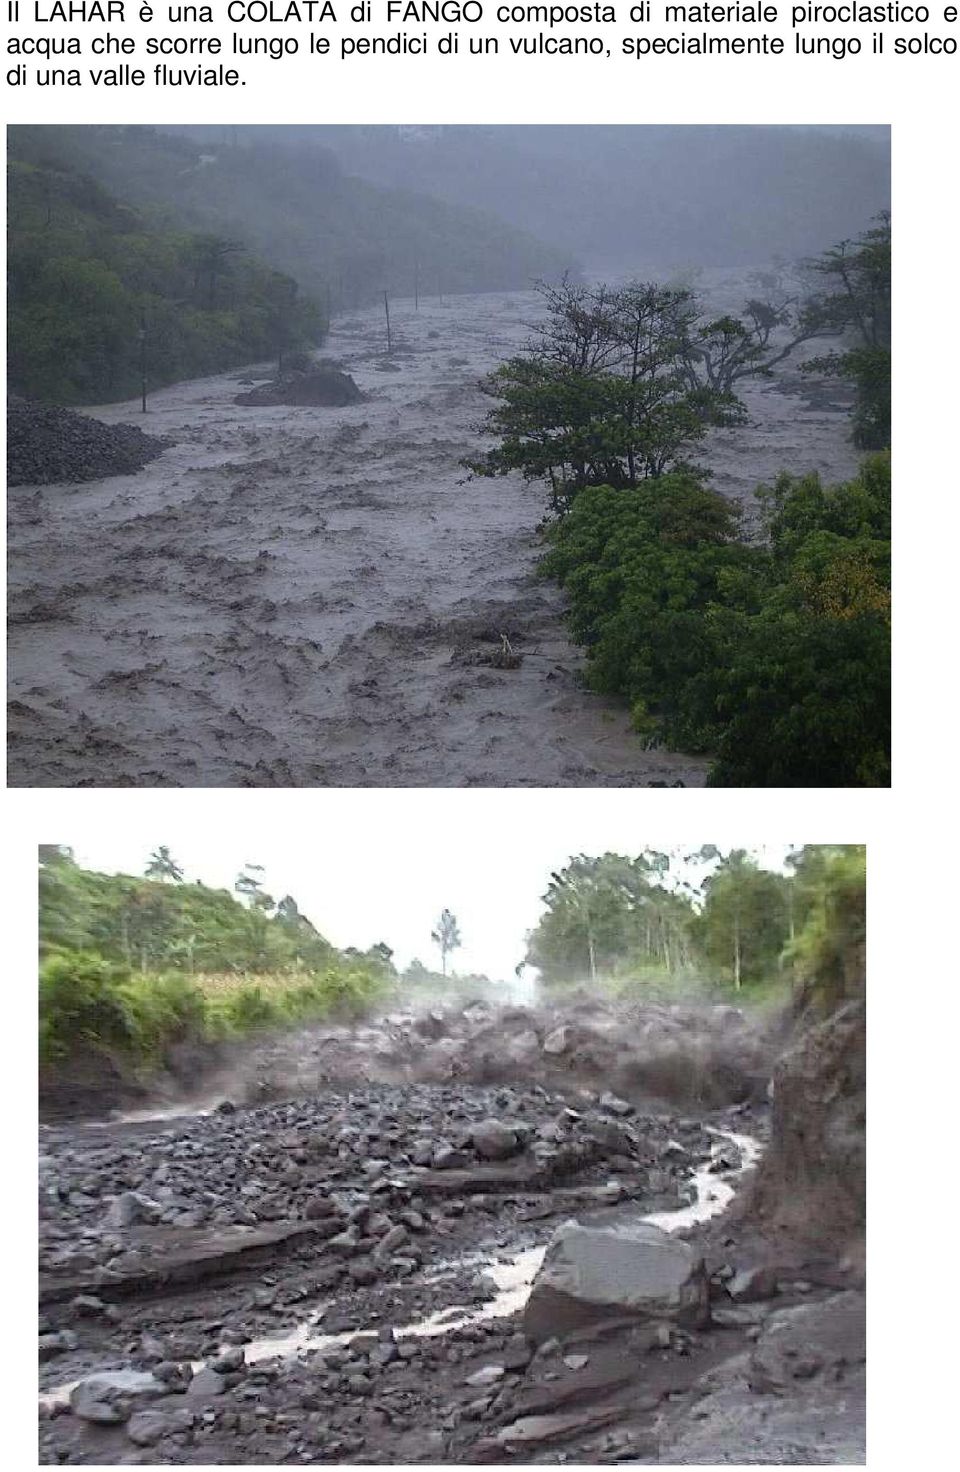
(712, 1194)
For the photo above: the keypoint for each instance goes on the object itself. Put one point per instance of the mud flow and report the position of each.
(298, 596)
(373, 1270)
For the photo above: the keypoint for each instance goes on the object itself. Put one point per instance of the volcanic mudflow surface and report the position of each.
(356, 1272)
(300, 595)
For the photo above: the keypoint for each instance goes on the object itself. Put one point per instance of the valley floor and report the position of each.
(313, 597)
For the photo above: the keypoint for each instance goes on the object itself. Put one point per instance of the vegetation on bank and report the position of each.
(769, 653)
(100, 295)
(345, 241)
(134, 966)
(771, 656)
(719, 922)
(131, 968)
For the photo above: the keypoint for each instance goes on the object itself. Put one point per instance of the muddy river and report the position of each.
(304, 596)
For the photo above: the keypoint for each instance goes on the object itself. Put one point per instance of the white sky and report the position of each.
(370, 866)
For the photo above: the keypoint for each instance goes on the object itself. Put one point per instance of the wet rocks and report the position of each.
(46, 445)
(108, 1398)
(798, 1343)
(146, 1428)
(493, 1140)
(752, 1285)
(626, 1269)
(321, 386)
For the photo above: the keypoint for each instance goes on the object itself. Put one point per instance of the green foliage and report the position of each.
(127, 965)
(612, 917)
(773, 657)
(708, 922)
(743, 925)
(859, 306)
(343, 240)
(607, 393)
(88, 276)
(81, 1002)
(828, 951)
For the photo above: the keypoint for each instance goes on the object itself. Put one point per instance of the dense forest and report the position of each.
(102, 297)
(342, 239)
(769, 652)
(133, 964)
(661, 923)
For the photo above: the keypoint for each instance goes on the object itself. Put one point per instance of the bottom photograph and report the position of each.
(442, 1145)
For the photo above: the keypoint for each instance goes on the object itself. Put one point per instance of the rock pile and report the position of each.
(46, 445)
(688, 1054)
(323, 386)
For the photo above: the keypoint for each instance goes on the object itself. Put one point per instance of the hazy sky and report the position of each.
(381, 866)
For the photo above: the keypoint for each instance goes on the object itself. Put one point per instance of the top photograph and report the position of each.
(424, 456)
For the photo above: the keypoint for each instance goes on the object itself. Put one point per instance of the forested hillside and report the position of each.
(344, 240)
(618, 197)
(130, 965)
(101, 294)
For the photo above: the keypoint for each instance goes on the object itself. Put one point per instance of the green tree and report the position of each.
(602, 394)
(446, 937)
(161, 865)
(828, 953)
(604, 915)
(857, 303)
(744, 922)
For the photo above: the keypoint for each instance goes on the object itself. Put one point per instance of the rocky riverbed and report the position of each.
(345, 1275)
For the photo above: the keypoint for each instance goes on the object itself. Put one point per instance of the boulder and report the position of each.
(494, 1140)
(620, 1270)
(558, 1041)
(109, 1397)
(752, 1285)
(146, 1428)
(324, 386)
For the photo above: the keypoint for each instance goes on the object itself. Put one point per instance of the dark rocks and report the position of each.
(46, 445)
(495, 1141)
(50, 1345)
(627, 1269)
(813, 1177)
(130, 1208)
(797, 1343)
(146, 1428)
(322, 386)
(108, 1398)
(752, 1285)
(206, 1384)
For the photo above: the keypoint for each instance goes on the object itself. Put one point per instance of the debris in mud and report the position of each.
(47, 445)
(322, 386)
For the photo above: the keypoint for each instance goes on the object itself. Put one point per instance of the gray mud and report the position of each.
(313, 596)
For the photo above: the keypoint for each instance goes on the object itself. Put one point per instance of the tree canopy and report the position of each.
(720, 919)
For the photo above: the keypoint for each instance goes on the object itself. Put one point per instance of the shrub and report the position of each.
(81, 1001)
(774, 657)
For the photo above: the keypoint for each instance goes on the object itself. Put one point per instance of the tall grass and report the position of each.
(88, 1003)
